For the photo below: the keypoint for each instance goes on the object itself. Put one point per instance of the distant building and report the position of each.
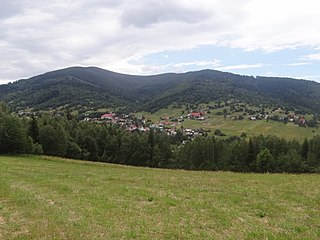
(108, 116)
(196, 115)
(165, 118)
(302, 120)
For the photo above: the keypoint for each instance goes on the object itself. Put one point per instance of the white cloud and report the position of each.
(273, 25)
(38, 36)
(296, 76)
(311, 77)
(241, 66)
(312, 57)
(211, 64)
(297, 64)
(143, 14)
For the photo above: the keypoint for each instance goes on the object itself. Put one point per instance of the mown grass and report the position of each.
(52, 198)
(232, 127)
(252, 128)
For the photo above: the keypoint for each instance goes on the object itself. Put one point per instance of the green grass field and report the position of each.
(52, 198)
(252, 128)
(236, 127)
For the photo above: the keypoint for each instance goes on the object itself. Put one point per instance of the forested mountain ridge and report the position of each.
(95, 87)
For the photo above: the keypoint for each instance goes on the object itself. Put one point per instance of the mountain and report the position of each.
(95, 87)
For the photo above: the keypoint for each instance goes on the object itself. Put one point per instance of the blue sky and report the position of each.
(286, 62)
(142, 37)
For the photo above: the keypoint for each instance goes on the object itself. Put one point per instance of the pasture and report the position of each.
(53, 198)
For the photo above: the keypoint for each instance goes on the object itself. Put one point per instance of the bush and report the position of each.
(243, 135)
(37, 149)
(218, 132)
(73, 150)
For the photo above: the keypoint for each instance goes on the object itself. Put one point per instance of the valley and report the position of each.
(159, 120)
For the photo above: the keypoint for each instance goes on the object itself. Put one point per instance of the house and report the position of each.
(142, 129)
(132, 128)
(196, 114)
(171, 132)
(302, 120)
(165, 118)
(108, 116)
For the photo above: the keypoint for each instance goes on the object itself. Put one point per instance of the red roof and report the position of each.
(196, 114)
(108, 115)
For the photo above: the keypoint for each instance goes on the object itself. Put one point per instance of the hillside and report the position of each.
(94, 87)
(52, 198)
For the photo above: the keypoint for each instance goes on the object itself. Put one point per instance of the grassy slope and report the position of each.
(50, 198)
(235, 128)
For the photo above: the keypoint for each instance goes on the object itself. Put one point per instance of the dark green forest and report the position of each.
(95, 88)
(65, 136)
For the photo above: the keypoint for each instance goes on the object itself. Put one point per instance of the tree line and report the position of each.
(65, 136)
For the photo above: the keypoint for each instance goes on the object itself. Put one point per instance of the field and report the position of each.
(52, 198)
(232, 127)
(251, 128)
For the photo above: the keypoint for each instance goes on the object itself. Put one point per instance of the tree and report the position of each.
(305, 149)
(73, 150)
(68, 114)
(53, 140)
(251, 156)
(290, 162)
(13, 137)
(4, 109)
(178, 138)
(218, 132)
(162, 151)
(89, 148)
(151, 143)
(264, 161)
(313, 159)
(34, 130)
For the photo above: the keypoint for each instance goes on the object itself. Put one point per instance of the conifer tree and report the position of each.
(34, 129)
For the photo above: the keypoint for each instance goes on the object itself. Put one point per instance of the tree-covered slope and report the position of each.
(97, 87)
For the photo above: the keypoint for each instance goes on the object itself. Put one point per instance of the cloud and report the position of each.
(214, 63)
(141, 68)
(312, 57)
(297, 64)
(146, 13)
(241, 66)
(9, 8)
(311, 77)
(38, 36)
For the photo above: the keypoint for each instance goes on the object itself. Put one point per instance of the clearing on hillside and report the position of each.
(52, 198)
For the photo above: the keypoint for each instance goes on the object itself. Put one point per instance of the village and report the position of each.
(172, 125)
(189, 123)
(166, 124)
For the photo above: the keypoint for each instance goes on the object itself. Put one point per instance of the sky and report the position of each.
(144, 37)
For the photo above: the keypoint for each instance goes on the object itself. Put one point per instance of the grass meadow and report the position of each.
(232, 127)
(53, 198)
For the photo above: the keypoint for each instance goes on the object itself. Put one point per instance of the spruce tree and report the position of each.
(264, 161)
(305, 149)
(34, 129)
